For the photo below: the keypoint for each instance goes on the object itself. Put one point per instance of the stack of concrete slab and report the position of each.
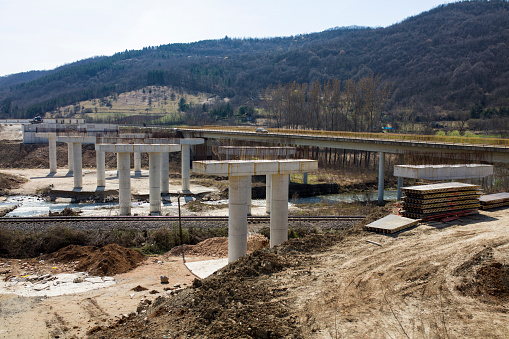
(440, 200)
(489, 201)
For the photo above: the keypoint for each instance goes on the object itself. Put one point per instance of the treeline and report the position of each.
(448, 58)
(355, 106)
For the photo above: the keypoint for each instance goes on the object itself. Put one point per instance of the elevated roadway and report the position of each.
(489, 149)
(484, 149)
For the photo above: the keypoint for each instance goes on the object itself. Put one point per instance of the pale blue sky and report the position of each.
(44, 34)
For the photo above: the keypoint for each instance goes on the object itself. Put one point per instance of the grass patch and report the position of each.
(29, 244)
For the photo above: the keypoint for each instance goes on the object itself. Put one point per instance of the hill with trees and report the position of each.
(451, 58)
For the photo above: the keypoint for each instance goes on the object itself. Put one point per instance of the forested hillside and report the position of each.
(452, 57)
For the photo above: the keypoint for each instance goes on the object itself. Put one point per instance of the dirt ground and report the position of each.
(446, 280)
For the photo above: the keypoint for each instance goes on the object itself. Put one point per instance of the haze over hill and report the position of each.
(451, 57)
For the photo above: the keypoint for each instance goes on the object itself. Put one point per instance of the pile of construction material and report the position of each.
(439, 201)
(489, 201)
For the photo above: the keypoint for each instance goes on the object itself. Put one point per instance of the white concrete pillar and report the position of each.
(70, 157)
(137, 163)
(78, 169)
(279, 210)
(249, 194)
(381, 174)
(268, 192)
(100, 160)
(52, 155)
(124, 182)
(154, 178)
(237, 220)
(165, 172)
(186, 168)
(401, 160)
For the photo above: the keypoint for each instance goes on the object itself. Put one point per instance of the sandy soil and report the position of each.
(66, 316)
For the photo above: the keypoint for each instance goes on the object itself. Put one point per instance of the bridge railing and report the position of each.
(437, 139)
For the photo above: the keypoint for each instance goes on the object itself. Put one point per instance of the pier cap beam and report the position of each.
(443, 172)
(254, 167)
(131, 148)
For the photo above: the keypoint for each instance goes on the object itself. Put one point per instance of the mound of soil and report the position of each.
(8, 182)
(108, 260)
(218, 246)
(217, 307)
(66, 212)
(490, 284)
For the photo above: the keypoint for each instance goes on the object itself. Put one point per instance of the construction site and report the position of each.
(200, 233)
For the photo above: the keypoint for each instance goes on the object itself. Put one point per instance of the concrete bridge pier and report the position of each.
(279, 209)
(268, 192)
(124, 182)
(165, 172)
(137, 164)
(155, 182)
(77, 164)
(237, 221)
(100, 159)
(401, 160)
(52, 154)
(186, 168)
(70, 158)
(381, 178)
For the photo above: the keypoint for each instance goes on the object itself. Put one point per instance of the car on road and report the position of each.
(261, 130)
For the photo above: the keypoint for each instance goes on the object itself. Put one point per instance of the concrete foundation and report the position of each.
(279, 210)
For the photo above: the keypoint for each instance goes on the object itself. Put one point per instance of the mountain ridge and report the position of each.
(452, 56)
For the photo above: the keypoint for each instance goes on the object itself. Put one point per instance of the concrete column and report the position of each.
(305, 178)
(249, 193)
(401, 160)
(100, 159)
(124, 182)
(268, 192)
(137, 163)
(381, 173)
(70, 157)
(279, 210)
(52, 155)
(78, 171)
(155, 182)
(306, 156)
(165, 172)
(237, 221)
(186, 168)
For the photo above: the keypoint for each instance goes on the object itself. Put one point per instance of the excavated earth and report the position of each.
(441, 280)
